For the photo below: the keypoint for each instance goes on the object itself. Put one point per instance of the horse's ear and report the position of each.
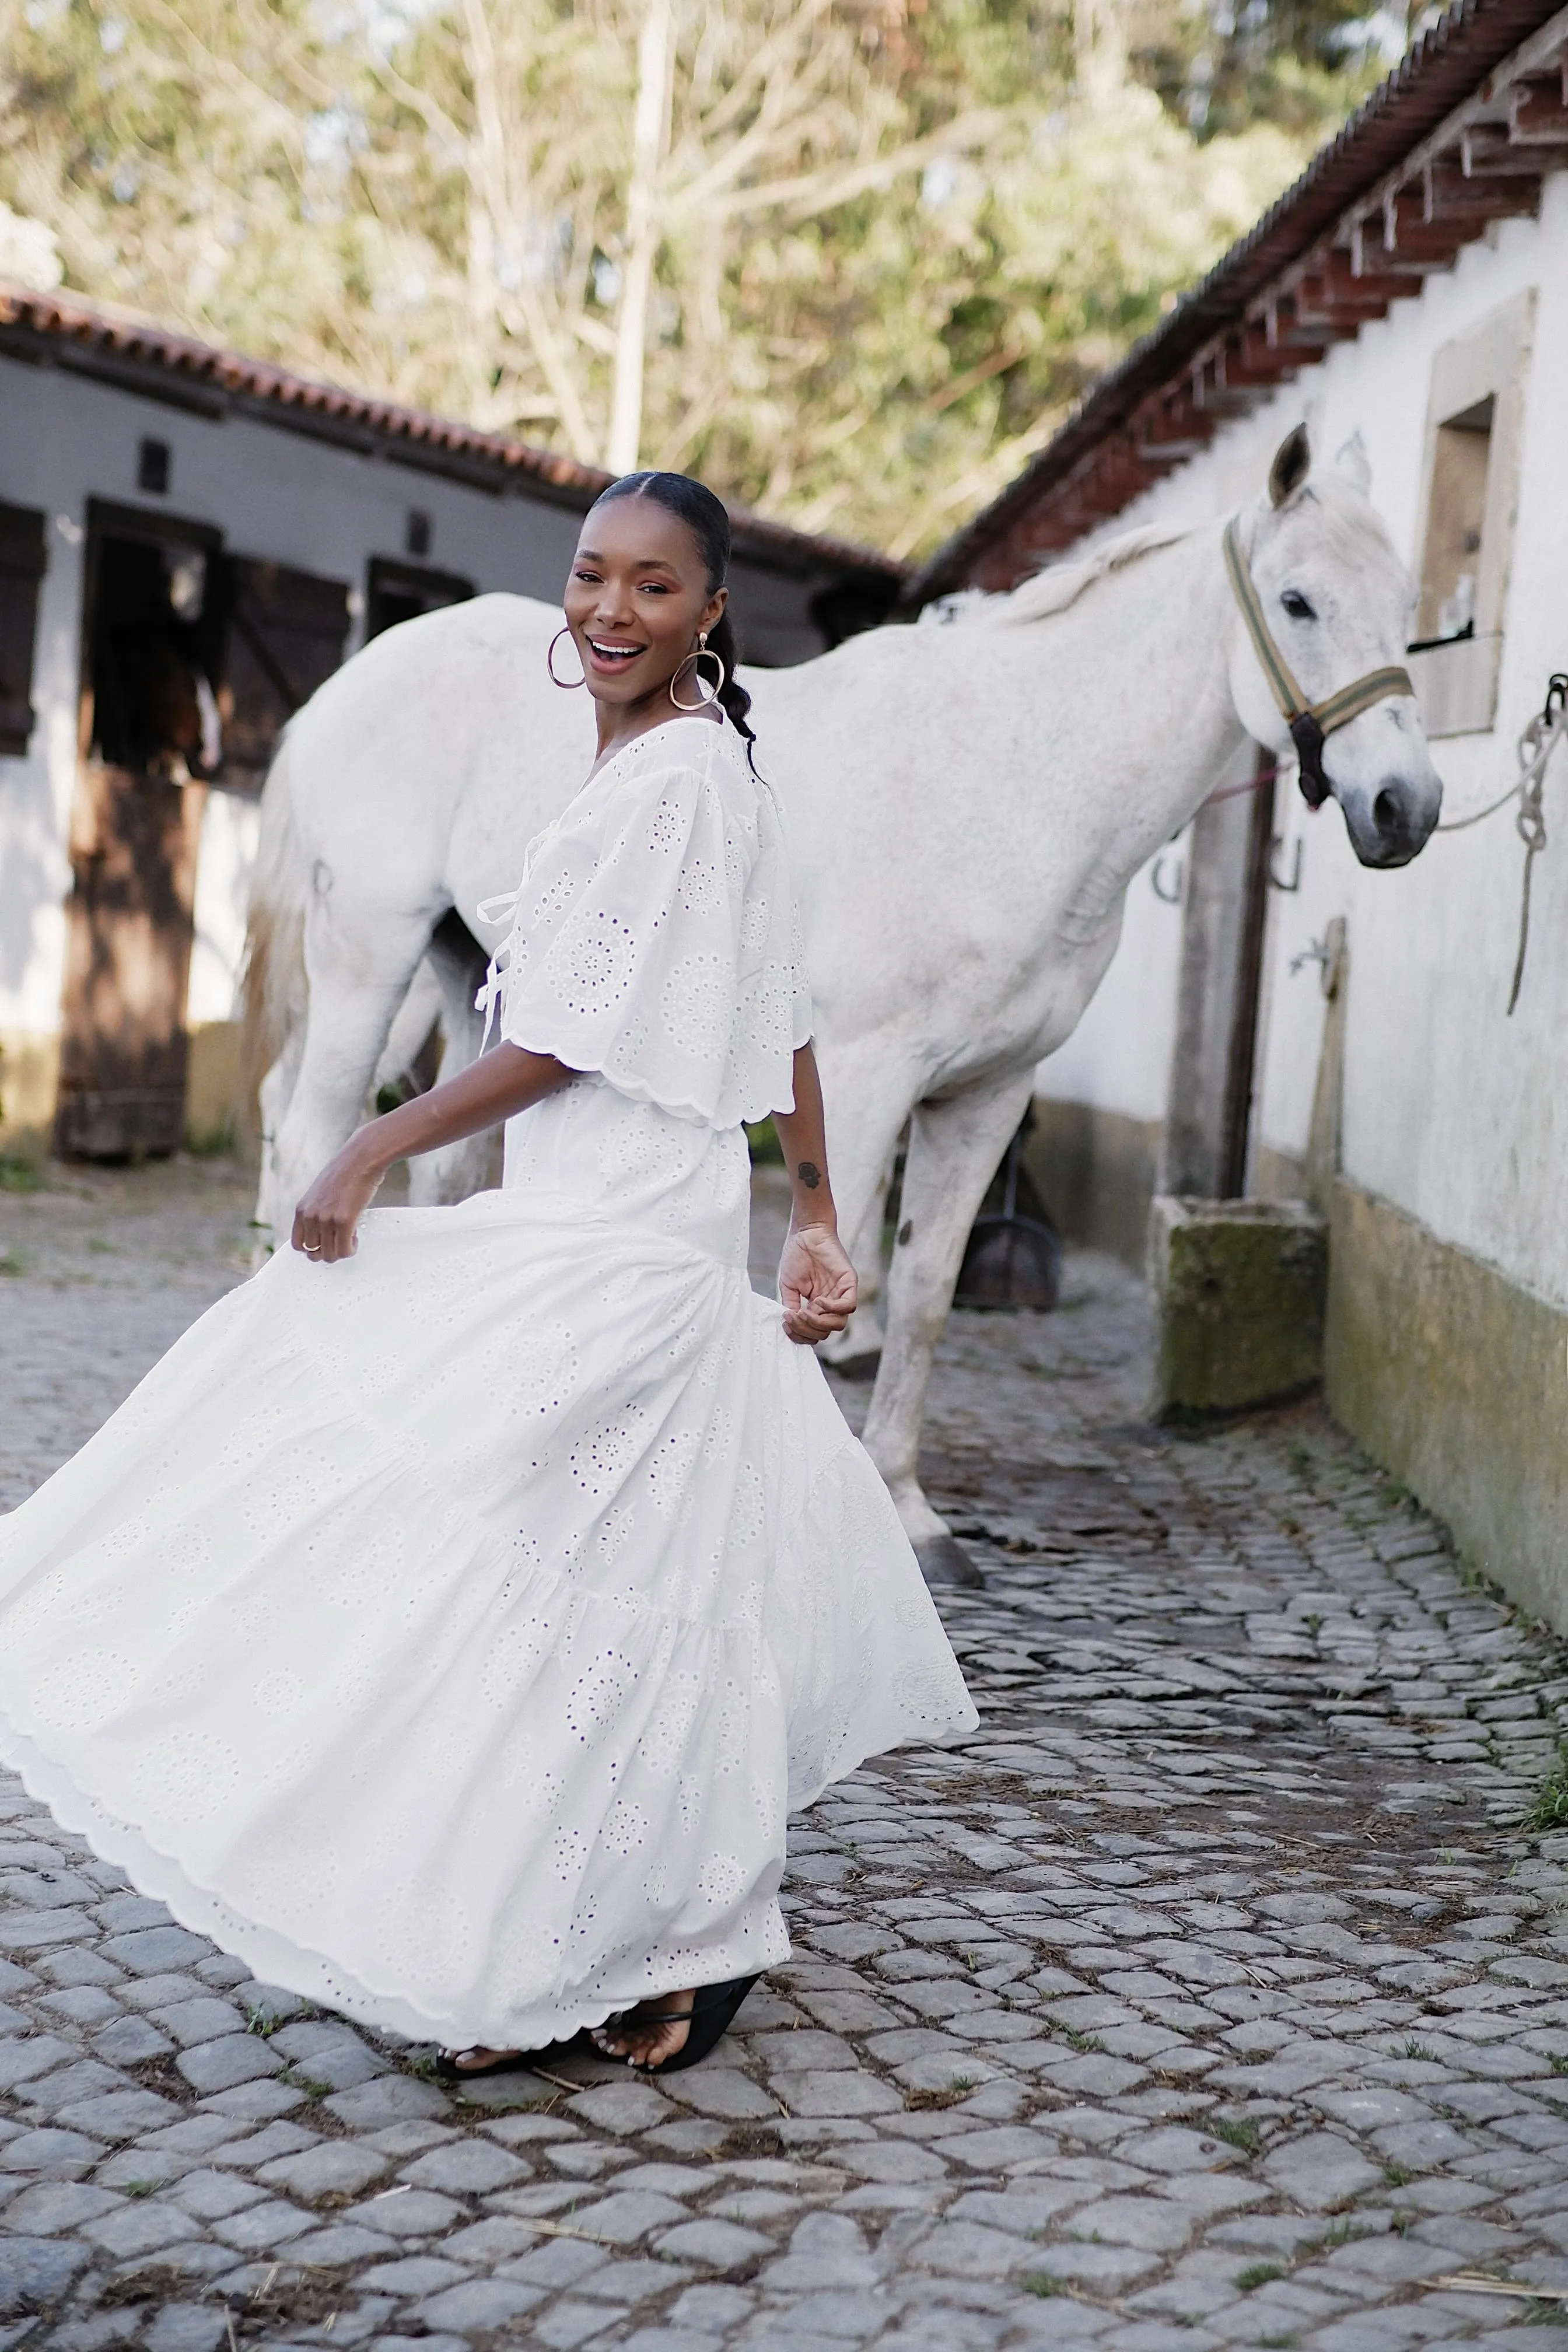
(1292, 460)
(1353, 463)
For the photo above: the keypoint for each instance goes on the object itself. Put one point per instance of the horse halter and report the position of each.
(1309, 722)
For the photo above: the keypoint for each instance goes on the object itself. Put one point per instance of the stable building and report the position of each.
(190, 543)
(1279, 1021)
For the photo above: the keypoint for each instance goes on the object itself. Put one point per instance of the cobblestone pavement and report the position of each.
(1213, 1995)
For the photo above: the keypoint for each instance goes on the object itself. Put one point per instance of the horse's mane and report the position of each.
(1056, 585)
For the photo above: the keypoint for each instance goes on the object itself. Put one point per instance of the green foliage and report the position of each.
(891, 245)
(1259, 2274)
(1550, 1811)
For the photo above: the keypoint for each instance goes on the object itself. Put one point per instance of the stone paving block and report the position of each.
(328, 2168)
(123, 1912)
(186, 2327)
(25, 2061)
(406, 2213)
(1320, 2171)
(150, 1951)
(201, 2018)
(825, 2250)
(35, 2271)
(36, 1931)
(389, 2099)
(467, 2168)
(717, 2090)
(129, 2041)
(52, 2206)
(716, 2244)
(340, 2245)
(478, 2305)
(221, 2065)
(1006, 2149)
(258, 2102)
(559, 2261)
(62, 2154)
(207, 2194)
(117, 2115)
(413, 2274)
(327, 2052)
(624, 2106)
(839, 2094)
(78, 2004)
(146, 2227)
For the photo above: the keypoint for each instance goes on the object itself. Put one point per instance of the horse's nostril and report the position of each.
(1388, 813)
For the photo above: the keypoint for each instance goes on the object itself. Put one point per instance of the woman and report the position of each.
(447, 1624)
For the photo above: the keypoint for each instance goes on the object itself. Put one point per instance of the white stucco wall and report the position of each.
(274, 494)
(1453, 1112)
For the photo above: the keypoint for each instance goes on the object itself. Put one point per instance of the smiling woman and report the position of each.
(586, 1581)
(629, 607)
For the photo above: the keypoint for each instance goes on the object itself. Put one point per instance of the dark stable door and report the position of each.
(195, 661)
(128, 958)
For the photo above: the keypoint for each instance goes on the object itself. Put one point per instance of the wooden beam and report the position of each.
(1446, 194)
(1538, 112)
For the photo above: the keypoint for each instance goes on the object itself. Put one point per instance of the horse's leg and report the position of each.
(359, 978)
(865, 1095)
(954, 1149)
(458, 962)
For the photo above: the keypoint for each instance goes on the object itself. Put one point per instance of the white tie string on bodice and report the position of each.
(501, 909)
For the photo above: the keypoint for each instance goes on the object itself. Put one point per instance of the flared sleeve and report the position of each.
(656, 940)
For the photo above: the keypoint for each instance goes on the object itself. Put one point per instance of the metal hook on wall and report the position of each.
(1275, 882)
(1172, 897)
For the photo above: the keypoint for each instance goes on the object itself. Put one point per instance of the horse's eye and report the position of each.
(1296, 604)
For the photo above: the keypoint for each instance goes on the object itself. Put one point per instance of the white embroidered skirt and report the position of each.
(447, 1632)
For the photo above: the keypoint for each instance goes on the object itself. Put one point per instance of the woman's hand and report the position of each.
(817, 1284)
(327, 1219)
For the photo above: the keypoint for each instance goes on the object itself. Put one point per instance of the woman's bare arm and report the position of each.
(505, 1080)
(816, 1281)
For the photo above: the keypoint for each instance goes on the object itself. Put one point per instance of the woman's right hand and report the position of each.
(326, 1222)
(817, 1284)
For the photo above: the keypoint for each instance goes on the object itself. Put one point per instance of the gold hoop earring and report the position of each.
(567, 685)
(703, 700)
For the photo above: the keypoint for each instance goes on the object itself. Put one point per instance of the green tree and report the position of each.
(850, 259)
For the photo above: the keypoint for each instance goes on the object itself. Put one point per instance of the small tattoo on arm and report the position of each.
(810, 1175)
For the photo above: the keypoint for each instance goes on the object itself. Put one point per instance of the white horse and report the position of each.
(967, 806)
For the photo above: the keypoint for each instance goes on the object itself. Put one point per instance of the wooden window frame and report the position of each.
(1456, 677)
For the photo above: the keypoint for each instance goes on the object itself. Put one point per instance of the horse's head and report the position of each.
(1334, 599)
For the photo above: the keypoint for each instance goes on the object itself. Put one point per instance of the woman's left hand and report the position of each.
(817, 1284)
(327, 1219)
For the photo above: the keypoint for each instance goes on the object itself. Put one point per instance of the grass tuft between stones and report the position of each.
(1259, 2274)
(1043, 2283)
(1550, 1811)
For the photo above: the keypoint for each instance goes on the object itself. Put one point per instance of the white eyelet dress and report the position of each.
(449, 1632)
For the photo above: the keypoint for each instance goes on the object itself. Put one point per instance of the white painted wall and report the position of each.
(275, 494)
(1452, 1112)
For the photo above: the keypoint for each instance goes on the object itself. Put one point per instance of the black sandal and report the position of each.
(710, 2017)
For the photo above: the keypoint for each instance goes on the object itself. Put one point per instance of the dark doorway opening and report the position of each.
(192, 660)
(402, 591)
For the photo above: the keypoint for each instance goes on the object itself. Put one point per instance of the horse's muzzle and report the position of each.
(1391, 825)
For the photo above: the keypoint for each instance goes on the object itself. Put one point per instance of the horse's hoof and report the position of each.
(943, 1561)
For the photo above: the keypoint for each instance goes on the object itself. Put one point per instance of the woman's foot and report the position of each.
(651, 2033)
(478, 2058)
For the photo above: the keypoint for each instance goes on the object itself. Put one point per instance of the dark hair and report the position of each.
(695, 505)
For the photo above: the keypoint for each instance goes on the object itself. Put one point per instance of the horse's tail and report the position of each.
(276, 992)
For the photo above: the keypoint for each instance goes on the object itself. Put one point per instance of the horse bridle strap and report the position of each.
(1309, 722)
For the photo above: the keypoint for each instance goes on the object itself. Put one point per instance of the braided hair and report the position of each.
(705, 517)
